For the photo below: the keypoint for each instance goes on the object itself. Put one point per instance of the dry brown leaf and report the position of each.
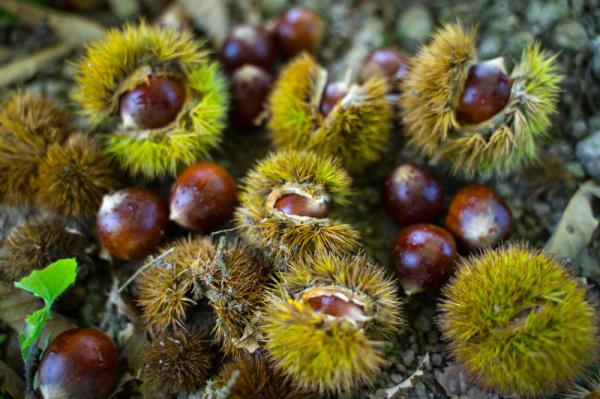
(456, 383)
(70, 28)
(210, 15)
(16, 305)
(577, 224)
(10, 382)
(408, 383)
(25, 67)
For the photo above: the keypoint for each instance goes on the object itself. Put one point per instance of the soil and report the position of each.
(537, 195)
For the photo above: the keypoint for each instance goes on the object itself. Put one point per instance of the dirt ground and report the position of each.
(537, 195)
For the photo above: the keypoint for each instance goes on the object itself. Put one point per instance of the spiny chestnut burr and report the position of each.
(203, 196)
(79, 363)
(248, 44)
(332, 94)
(300, 205)
(423, 256)
(486, 92)
(131, 222)
(154, 103)
(411, 194)
(299, 29)
(250, 87)
(478, 218)
(390, 63)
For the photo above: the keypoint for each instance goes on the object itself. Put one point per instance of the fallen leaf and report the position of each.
(577, 224)
(408, 383)
(71, 28)
(16, 305)
(210, 15)
(456, 383)
(10, 382)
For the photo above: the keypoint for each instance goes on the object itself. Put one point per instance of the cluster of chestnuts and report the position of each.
(424, 254)
(249, 54)
(291, 306)
(132, 222)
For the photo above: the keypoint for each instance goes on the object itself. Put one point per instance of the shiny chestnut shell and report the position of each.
(203, 196)
(153, 104)
(411, 194)
(131, 222)
(250, 87)
(79, 363)
(247, 44)
(389, 63)
(300, 205)
(333, 305)
(299, 29)
(423, 257)
(332, 94)
(478, 218)
(486, 93)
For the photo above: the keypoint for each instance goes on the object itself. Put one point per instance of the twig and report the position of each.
(25, 67)
(70, 28)
(144, 267)
(30, 369)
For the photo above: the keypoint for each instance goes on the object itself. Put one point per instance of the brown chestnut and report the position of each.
(332, 94)
(203, 196)
(423, 256)
(154, 103)
(250, 87)
(79, 363)
(486, 92)
(335, 306)
(247, 44)
(478, 218)
(131, 222)
(300, 205)
(299, 29)
(411, 194)
(389, 63)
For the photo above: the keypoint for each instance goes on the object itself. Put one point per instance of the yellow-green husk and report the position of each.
(330, 354)
(431, 91)
(356, 130)
(517, 322)
(122, 61)
(289, 237)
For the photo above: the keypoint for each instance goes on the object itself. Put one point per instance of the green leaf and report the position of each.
(52, 281)
(47, 284)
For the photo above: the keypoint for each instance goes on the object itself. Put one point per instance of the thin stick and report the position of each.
(25, 67)
(144, 267)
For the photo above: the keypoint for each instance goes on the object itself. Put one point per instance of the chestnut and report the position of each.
(478, 218)
(389, 63)
(131, 222)
(486, 93)
(335, 306)
(250, 87)
(332, 94)
(300, 205)
(247, 44)
(423, 257)
(154, 103)
(79, 363)
(299, 29)
(203, 196)
(411, 194)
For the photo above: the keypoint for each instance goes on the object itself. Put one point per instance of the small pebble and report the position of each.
(588, 153)
(437, 360)
(408, 357)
